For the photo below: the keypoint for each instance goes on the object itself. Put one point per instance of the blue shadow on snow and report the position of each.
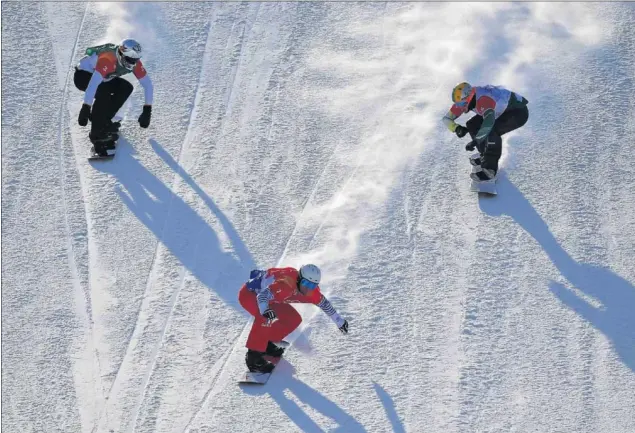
(389, 407)
(615, 318)
(179, 227)
(285, 381)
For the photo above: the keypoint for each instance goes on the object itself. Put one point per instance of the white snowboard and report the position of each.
(256, 378)
(486, 187)
(262, 378)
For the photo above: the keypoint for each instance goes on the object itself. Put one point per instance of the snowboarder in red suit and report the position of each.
(267, 296)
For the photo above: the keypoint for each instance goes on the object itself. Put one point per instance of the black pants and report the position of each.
(109, 98)
(511, 119)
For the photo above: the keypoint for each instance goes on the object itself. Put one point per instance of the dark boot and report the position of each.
(107, 131)
(102, 143)
(274, 350)
(111, 145)
(100, 149)
(112, 127)
(256, 363)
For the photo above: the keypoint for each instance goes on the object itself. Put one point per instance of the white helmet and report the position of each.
(128, 53)
(310, 273)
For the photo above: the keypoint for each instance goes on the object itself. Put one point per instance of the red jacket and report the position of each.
(282, 285)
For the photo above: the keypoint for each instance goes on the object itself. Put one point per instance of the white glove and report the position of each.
(342, 324)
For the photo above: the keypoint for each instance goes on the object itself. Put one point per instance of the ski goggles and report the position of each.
(462, 103)
(130, 60)
(308, 284)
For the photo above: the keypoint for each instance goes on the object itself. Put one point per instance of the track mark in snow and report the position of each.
(183, 271)
(193, 113)
(235, 61)
(60, 140)
(219, 367)
(157, 347)
(149, 279)
(215, 373)
(82, 296)
(306, 204)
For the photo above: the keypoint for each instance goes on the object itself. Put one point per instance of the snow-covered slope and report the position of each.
(291, 132)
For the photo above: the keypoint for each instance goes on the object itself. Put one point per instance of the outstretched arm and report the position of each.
(148, 89)
(449, 120)
(330, 311)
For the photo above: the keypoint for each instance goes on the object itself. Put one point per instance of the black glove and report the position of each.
(470, 146)
(144, 118)
(460, 131)
(344, 327)
(270, 315)
(84, 115)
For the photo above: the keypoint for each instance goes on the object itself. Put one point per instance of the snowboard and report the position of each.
(262, 378)
(96, 157)
(259, 378)
(488, 187)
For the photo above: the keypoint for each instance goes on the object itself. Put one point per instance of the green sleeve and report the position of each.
(486, 126)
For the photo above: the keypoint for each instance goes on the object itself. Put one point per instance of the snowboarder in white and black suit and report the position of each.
(99, 76)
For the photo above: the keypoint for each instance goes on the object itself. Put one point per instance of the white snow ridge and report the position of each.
(291, 132)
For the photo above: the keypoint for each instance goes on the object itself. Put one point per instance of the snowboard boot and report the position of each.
(483, 175)
(256, 363)
(102, 137)
(274, 350)
(102, 142)
(111, 145)
(113, 127)
(104, 149)
(111, 132)
(475, 159)
(100, 148)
